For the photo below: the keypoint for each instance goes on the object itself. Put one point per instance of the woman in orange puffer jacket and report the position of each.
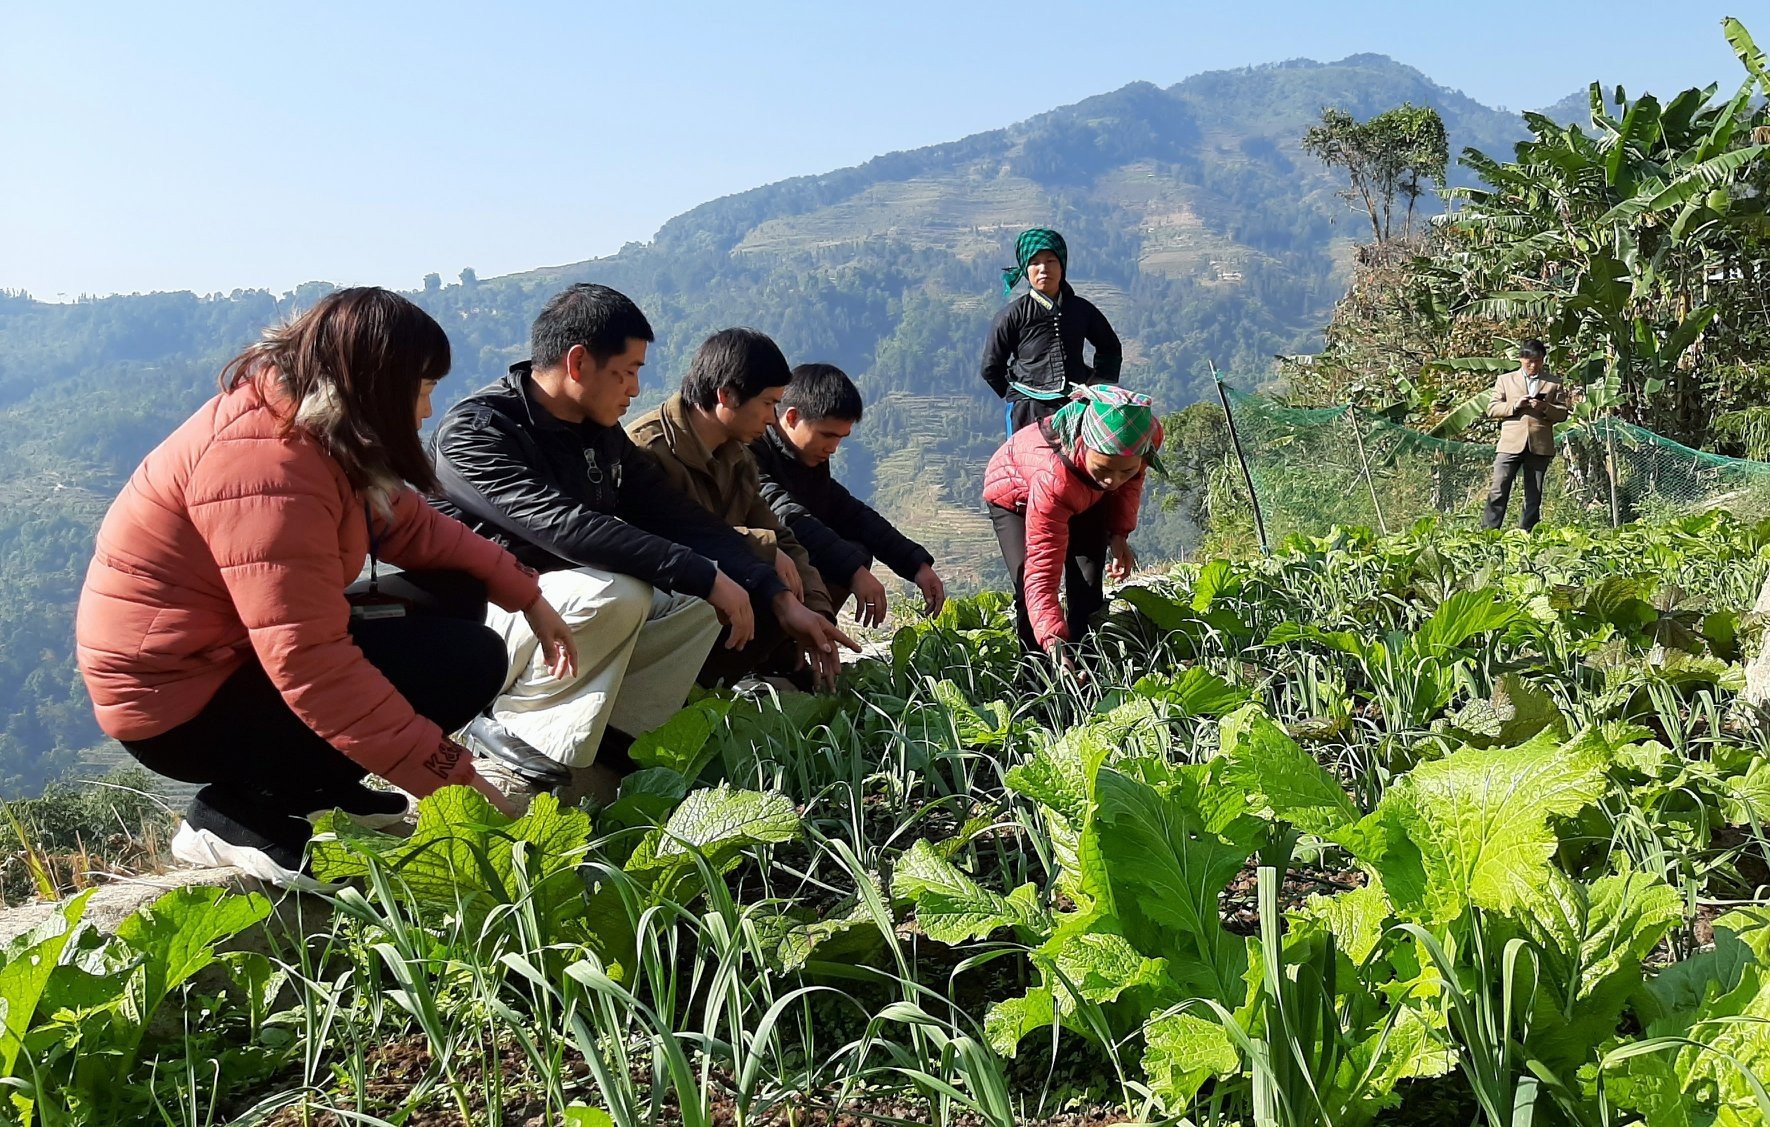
(1063, 495)
(215, 633)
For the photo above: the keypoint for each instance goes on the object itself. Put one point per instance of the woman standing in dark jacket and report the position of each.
(1034, 353)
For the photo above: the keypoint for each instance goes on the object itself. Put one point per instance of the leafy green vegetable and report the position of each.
(683, 742)
(1478, 826)
(1182, 1051)
(987, 726)
(1460, 618)
(1356, 919)
(177, 936)
(846, 933)
(464, 854)
(1196, 691)
(1269, 767)
(1167, 871)
(646, 797)
(29, 961)
(1592, 940)
(1009, 1021)
(715, 825)
(1514, 713)
(953, 908)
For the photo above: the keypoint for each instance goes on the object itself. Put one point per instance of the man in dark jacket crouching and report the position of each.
(700, 438)
(643, 575)
(842, 534)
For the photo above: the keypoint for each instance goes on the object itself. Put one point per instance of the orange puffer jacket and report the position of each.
(231, 539)
(1028, 474)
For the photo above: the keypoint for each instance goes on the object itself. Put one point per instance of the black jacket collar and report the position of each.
(516, 384)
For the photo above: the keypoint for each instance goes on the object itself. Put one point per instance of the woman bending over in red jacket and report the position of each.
(1063, 495)
(216, 634)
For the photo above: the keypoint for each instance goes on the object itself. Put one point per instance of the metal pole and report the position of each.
(1610, 472)
(1246, 475)
(1352, 418)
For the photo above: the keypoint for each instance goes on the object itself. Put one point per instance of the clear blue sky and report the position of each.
(210, 146)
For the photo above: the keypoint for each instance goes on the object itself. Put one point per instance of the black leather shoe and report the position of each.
(491, 740)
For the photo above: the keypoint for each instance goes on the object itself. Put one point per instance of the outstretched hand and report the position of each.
(933, 589)
(1124, 560)
(732, 604)
(789, 573)
(869, 598)
(499, 800)
(558, 649)
(817, 636)
(1060, 657)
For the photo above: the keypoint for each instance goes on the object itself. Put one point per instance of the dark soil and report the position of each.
(1240, 901)
(1749, 873)
(399, 1068)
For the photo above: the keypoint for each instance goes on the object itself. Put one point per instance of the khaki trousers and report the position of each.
(638, 651)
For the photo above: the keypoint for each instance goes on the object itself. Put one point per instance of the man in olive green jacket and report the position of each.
(1530, 403)
(700, 438)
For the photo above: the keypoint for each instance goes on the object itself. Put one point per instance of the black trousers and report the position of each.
(840, 591)
(1505, 470)
(1084, 569)
(1018, 412)
(769, 651)
(253, 750)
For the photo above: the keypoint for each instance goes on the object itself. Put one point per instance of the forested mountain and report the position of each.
(1193, 217)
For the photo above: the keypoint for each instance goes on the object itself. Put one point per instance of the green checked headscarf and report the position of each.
(1110, 420)
(1032, 241)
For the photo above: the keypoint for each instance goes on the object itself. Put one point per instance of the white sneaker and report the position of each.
(517, 788)
(205, 850)
(762, 687)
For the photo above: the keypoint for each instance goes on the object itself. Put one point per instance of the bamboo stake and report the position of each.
(1235, 440)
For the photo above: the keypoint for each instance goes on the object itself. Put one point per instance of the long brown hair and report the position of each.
(352, 365)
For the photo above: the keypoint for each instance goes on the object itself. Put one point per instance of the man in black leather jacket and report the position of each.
(1034, 352)
(644, 576)
(842, 534)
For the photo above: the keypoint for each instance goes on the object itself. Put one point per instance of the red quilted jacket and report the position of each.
(231, 539)
(1030, 475)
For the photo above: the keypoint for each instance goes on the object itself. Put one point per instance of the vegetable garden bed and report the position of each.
(1441, 827)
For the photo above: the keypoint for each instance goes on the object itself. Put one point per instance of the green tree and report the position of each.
(1425, 151)
(1384, 157)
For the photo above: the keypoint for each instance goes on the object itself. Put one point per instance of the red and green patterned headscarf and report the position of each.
(1111, 420)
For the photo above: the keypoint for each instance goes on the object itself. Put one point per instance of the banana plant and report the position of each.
(1610, 238)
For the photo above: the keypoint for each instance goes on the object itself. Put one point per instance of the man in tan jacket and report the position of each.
(700, 438)
(1530, 403)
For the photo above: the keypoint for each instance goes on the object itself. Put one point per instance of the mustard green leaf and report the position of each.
(463, 854)
(682, 743)
(29, 961)
(1195, 691)
(1479, 819)
(1007, 1023)
(1267, 765)
(950, 906)
(1182, 1051)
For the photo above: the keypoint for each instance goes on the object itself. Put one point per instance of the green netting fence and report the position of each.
(1313, 468)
